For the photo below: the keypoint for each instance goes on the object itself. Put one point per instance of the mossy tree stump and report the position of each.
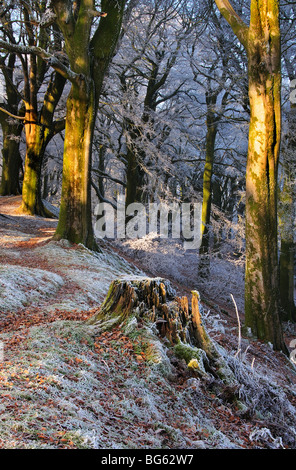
(177, 320)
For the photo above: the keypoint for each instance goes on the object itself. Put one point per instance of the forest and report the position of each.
(147, 224)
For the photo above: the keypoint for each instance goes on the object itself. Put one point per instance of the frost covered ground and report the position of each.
(67, 384)
(35, 269)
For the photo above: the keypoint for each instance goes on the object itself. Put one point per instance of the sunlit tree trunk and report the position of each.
(75, 222)
(262, 274)
(85, 67)
(88, 59)
(31, 194)
(262, 42)
(38, 123)
(39, 129)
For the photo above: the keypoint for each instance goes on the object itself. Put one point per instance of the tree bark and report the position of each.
(39, 129)
(87, 62)
(11, 132)
(286, 264)
(262, 297)
(262, 43)
(31, 193)
(75, 222)
(204, 259)
(12, 161)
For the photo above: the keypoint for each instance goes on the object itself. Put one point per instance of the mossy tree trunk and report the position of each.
(213, 118)
(262, 305)
(11, 158)
(39, 127)
(75, 222)
(262, 42)
(11, 132)
(208, 173)
(89, 58)
(39, 130)
(211, 122)
(287, 250)
(31, 193)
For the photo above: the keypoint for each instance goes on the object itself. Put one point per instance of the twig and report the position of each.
(239, 326)
(11, 115)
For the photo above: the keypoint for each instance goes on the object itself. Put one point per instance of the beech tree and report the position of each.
(89, 54)
(11, 131)
(218, 65)
(261, 40)
(10, 121)
(88, 48)
(148, 104)
(38, 121)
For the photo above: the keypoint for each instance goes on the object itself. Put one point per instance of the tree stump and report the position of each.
(153, 300)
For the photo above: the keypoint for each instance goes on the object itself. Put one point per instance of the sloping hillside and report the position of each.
(68, 384)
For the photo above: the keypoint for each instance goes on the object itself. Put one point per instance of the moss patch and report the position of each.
(190, 354)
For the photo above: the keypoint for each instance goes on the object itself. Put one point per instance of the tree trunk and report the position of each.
(11, 132)
(204, 259)
(262, 297)
(12, 161)
(37, 138)
(31, 193)
(39, 129)
(89, 59)
(208, 175)
(286, 212)
(75, 223)
(134, 178)
(262, 43)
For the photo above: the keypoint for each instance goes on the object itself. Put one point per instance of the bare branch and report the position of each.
(10, 114)
(52, 60)
(102, 174)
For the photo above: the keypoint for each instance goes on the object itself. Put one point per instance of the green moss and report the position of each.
(107, 305)
(188, 353)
